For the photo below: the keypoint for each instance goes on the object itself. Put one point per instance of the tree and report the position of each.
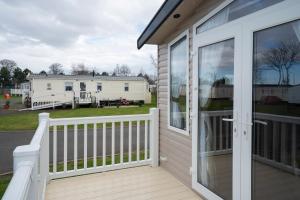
(124, 70)
(281, 59)
(153, 61)
(56, 68)
(140, 75)
(9, 64)
(43, 72)
(18, 76)
(27, 71)
(80, 69)
(5, 76)
(104, 74)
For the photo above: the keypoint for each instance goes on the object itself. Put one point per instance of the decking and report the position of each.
(140, 183)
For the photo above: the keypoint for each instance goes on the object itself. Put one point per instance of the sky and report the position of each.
(98, 33)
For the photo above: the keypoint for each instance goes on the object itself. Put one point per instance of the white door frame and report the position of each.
(201, 40)
(277, 14)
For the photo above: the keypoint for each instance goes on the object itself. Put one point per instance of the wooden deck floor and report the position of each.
(141, 183)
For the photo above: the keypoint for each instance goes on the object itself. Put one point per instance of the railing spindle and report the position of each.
(227, 133)
(113, 143)
(95, 145)
(129, 141)
(214, 134)
(275, 139)
(146, 139)
(138, 141)
(65, 148)
(121, 142)
(104, 145)
(75, 146)
(294, 146)
(85, 146)
(266, 137)
(221, 133)
(54, 149)
(283, 143)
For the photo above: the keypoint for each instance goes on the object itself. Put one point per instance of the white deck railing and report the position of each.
(31, 162)
(275, 138)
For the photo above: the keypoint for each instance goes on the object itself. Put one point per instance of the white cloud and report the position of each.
(99, 33)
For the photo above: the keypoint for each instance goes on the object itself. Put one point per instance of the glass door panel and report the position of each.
(276, 113)
(215, 113)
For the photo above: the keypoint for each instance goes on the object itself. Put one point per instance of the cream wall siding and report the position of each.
(176, 147)
(138, 90)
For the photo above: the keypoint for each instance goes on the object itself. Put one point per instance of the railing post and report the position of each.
(154, 136)
(45, 148)
(28, 155)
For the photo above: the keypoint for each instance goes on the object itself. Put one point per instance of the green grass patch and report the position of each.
(29, 120)
(4, 181)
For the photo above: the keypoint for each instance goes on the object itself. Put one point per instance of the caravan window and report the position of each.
(68, 86)
(48, 86)
(126, 87)
(178, 84)
(235, 10)
(99, 86)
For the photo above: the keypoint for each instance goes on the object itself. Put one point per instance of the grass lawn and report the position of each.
(4, 181)
(28, 120)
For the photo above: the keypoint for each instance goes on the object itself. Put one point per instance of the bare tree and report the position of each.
(56, 68)
(124, 70)
(80, 69)
(153, 61)
(281, 59)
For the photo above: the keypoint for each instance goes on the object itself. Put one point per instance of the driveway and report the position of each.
(10, 140)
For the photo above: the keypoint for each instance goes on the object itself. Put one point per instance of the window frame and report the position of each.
(69, 86)
(99, 84)
(210, 15)
(49, 86)
(125, 87)
(185, 132)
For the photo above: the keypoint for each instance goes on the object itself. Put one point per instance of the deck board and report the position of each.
(140, 183)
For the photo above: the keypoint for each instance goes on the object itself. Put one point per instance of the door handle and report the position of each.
(228, 119)
(261, 122)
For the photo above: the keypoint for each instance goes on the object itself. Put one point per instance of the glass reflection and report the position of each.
(216, 69)
(276, 113)
(235, 10)
(178, 73)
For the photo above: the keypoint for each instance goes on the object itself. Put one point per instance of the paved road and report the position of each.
(10, 140)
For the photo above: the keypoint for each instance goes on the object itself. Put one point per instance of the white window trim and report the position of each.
(125, 87)
(187, 131)
(210, 14)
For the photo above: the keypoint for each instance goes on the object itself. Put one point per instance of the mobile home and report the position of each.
(86, 89)
(221, 137)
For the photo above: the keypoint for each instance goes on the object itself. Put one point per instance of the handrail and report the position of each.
(106, 119)
(31, 166)
(18, 187)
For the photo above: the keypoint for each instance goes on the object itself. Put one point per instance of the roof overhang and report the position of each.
(164, 22)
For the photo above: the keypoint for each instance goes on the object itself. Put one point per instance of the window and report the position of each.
(126, 87)
(48, 86)
(82, 86)
(68, 86)
(178, 84)
(99, 87)
(233, 11)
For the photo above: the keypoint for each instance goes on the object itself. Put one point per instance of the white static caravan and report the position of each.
(66, 88)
